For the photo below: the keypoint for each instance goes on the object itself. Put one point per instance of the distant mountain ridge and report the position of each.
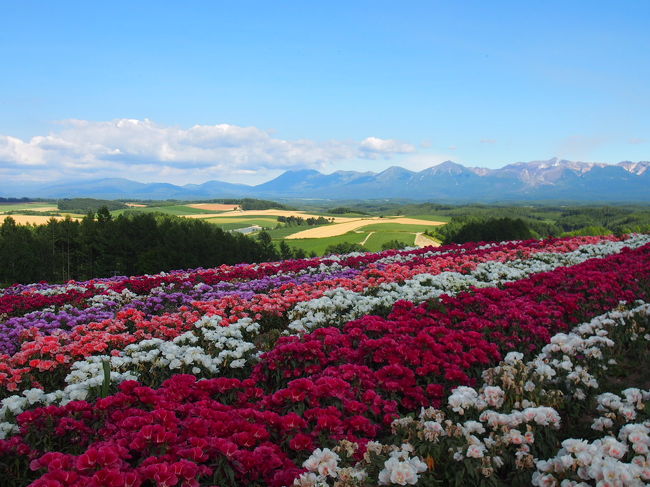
(553, 179)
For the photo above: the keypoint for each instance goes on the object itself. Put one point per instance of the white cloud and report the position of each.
(15, 150)
(377, 146)
(149, 150)
(488, 141)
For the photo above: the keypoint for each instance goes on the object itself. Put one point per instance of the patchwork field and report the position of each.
(347, 226)
(286, 213)
(372, 232)
(500, 365)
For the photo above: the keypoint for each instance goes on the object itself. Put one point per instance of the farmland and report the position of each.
(456, 365)
(371, 225)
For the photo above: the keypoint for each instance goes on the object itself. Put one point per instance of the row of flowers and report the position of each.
(20, 299)
(496, 434)
(331, 384)
(185, 343)
(236, 299)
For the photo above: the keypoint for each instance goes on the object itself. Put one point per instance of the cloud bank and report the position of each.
(146, 150)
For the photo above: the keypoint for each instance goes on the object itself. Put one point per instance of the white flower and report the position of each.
(34, 395)
(493, 396)
(475, 451)
(324, 461)
(401, 471)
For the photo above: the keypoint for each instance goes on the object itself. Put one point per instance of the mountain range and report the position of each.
(553, 179)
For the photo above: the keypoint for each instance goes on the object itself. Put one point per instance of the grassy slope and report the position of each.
(319, 245)
(233, 225)
(394, 227)
(376, 240)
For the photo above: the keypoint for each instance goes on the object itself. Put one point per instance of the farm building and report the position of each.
(247, 230)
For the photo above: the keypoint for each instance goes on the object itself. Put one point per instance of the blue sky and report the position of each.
(240, 91)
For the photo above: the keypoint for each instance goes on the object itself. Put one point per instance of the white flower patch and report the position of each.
(601, 461)
(340, 305)
(401, 469)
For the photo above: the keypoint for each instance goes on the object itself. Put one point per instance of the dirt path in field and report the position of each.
(345, 227)
(366, 239)
(421, 240)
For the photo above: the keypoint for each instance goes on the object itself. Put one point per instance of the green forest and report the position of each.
(100, 245)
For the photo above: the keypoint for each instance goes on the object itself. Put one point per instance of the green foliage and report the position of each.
(342, 210)
(254, 204)
(393, 244)
(489, 230)
(345, 248)
(287, 252)
(84, 205)
(293, 221)
(266, 243)
(590, 230)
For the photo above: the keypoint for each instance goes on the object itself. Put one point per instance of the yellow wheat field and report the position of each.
(33, 219)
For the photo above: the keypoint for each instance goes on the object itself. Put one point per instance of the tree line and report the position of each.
(292, 221)
(102, 246)
(85, 205)
(483, 230)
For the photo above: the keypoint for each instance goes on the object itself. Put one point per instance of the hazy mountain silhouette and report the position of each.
(553, 179)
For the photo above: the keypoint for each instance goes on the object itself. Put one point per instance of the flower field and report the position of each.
(476, 364)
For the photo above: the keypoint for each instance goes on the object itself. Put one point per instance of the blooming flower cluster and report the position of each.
(113, 334)
(484, 433)
(302, 370)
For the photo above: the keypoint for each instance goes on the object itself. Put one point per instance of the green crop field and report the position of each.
(235, 223)
(319, 245)
(377, 239)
